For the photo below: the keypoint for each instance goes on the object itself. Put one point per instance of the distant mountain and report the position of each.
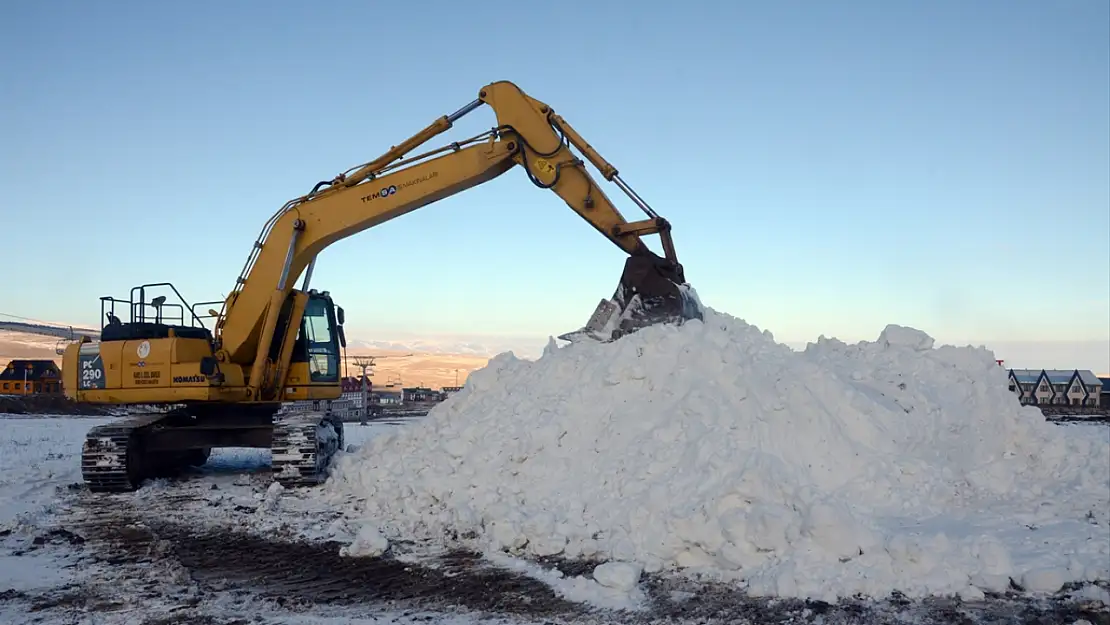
(63, 332)
(458, 345)
(522, 348)
(419, 346)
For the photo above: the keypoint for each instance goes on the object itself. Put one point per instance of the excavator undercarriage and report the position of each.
(119, 456)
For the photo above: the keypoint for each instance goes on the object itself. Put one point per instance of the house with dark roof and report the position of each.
(1056, 387)
(27, 377)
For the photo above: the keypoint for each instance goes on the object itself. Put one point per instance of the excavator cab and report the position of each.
(309, 366)
(320, 339)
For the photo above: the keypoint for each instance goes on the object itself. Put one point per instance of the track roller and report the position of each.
(113, 459)
(303, 446)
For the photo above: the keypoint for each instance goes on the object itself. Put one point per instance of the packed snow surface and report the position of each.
(710, 448)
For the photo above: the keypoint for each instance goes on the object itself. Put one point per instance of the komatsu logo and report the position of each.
(189, 379)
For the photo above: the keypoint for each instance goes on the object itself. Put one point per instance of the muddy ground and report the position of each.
(209, 575)
(49, 404)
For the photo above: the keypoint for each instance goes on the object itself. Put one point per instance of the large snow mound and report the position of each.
(710, 448)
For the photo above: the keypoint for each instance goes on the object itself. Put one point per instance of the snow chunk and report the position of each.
(620, 596)
(618, 575)
(369, 542)
(1043, 580)
(900, 336)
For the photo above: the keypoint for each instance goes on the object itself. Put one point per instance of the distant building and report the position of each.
(383, 397)
(349, 405)
(352, 390)
(1104, 398)
(420, 394)
(1056, 387)
(353, 384)
(28, 377)
(341, 408)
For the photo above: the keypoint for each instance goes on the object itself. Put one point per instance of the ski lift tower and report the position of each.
(366, 363)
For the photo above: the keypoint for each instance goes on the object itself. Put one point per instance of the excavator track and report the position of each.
(303, 446)
(112, 457)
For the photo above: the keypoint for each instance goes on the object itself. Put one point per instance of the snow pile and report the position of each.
(843, 469)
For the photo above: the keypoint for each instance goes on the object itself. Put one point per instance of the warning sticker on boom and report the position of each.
(544, 166)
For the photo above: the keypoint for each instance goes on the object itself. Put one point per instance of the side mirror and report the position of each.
(342, 337)
(207, 366)
(340, 316)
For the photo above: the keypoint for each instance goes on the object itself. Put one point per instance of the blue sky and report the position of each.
(828, 167)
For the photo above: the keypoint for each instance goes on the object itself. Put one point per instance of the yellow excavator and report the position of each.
(274, 347)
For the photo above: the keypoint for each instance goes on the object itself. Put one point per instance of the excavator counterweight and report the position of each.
(264, 373)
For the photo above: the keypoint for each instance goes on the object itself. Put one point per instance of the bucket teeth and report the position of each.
(652, 290)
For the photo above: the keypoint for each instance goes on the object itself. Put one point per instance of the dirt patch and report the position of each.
(53, 404)
(197, 563)
(1103, 419)
(311, 573)
(675, 600)
(187, 619)
(66, 599)
(299, 575)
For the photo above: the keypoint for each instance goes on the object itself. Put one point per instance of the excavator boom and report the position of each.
(529, 134)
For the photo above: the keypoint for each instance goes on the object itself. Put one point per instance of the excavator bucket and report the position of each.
(652, 290)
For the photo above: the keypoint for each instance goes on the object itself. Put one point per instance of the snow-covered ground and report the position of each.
(48, 562)
(45, 576)
(694, 472)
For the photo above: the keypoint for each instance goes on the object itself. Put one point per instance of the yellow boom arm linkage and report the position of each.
(529, 133)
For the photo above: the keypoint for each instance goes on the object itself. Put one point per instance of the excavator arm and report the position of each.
(530, 134)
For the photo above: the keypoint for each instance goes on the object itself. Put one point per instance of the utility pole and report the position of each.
(365, 363)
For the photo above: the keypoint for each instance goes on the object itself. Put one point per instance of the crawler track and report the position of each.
(302, 448)
(112, 456)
